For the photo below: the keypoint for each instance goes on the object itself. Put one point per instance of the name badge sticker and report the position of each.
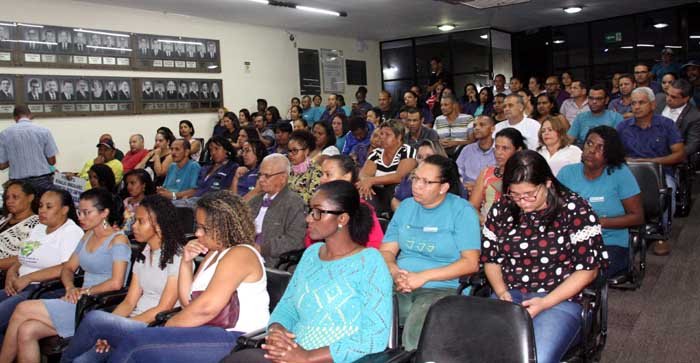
(430, 229)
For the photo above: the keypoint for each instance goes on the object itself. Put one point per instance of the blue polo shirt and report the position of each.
(605, 195)
(351, 140)
(652, 142)
(179, 179)
(587, 120)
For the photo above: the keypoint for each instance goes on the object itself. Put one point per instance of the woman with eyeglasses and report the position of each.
(437, 235)
(246, 177)
(611, 189)
(226, 296)
(541, 247)
(305, 176)
(42, 253)
(102, 253)
(350, 313)
(487, 188)
(404, 189)
(555, 145)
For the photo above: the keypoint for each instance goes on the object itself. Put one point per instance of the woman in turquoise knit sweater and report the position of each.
(344, 290)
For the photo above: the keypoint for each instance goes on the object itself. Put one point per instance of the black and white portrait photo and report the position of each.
(159, 93)
(34, 90)
(215, 91)
(82, 92)
(80, 42)
(49, 39)
(67, 90)
(211, 50)
(97, 90)
(32, 36)
(7, 92)
(168, 50)
(124, 90)
(194, 90)
(147, 90)
(171, 90)
(144, 47)
(157, 48)
(64, 40)
(51, 93)
(204, 91)
(110, 93)
(95, 43)
(182, 91)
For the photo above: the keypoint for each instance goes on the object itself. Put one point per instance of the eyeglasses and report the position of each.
(423, 181)
(84, 212)
(528, 196)
(316, 213)
(590, 145)
(294, 151)
(268, 176)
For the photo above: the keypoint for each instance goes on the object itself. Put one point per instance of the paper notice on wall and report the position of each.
(333, 67)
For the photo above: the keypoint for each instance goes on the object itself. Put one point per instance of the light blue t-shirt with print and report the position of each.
(605, 195)
(586, 121)
(434, 238)
(179, 179)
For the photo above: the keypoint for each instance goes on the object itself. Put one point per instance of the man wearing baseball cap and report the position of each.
(692, 72)
(667, 65)
(105, 155)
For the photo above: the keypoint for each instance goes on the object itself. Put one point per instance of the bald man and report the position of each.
(136, 153)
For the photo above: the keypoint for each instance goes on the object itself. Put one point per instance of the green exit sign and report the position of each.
(613, 37)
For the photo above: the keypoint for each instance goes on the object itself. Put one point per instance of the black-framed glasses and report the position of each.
(317, 213)
(270, 175)
(527, 196)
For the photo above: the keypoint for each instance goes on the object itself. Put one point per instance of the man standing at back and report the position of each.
(28, 150)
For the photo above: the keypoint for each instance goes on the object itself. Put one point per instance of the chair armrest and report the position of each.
(389, 355)
(56, 284)
(477, 281)
(102, 301)
(289, 259)
(250, 340)
(163, 316)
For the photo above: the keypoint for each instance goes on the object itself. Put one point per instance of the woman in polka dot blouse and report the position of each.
(541, 246)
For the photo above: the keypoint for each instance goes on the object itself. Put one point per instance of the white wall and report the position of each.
(274, 71)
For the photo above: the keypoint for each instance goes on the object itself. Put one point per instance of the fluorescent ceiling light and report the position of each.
(177, 42)
(108, 48)
(29, 41)
(265, 2)
(102, 33)
(673, 46)
(573, 9)
(484, 36)
(8, 24)
(645, 45)
(660, 25)
(626, 47)
(446, 27)
(317, 10)
(605, 50)
(30, 25)
(559, 41)
(695, 37)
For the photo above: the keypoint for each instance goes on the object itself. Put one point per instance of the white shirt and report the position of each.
(42, 250)
(261, 214)
(505, 91)
(673, 113)
(527, 126)
(571, 154)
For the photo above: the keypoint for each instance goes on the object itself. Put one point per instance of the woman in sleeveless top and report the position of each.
(153, 286)
(19, 201)
(230, 282)
(487, 189)
(158, 160)
(102, 253)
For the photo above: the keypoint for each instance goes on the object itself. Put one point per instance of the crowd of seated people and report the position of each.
(456, 181)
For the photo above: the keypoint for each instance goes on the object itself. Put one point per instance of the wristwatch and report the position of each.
(174, 196)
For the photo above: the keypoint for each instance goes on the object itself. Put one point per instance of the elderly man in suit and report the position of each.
(280, 223)
(675, 105)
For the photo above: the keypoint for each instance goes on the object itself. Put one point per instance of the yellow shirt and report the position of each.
(113, 164)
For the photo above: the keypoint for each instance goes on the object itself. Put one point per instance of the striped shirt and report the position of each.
(26, 146)
(377, 156)
(454, 130)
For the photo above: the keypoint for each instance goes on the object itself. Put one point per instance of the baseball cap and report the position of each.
(691, 63)
(107, 143)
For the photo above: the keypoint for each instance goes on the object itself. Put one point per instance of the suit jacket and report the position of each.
(47, 96)
(688, 123)
(171, 95)
(159, 95)
(124, 96)
(193, 95)
(82, 96)
(284, 225)
(110, 96)
(31, 97)
(147, 95)
(6, 96)
(67, 96)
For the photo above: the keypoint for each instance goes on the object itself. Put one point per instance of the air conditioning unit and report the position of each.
(484, 4)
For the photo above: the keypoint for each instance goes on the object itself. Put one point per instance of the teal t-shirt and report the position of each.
(178, 179)
(434, 238)
(605, 195)
(586, 121)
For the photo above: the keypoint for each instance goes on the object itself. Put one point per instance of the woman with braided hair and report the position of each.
(225, 297)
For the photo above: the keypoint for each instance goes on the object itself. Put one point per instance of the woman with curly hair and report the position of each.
(153, 286)
(226, 297)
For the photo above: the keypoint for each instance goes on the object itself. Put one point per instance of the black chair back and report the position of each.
(463, 329)
(651, 181)
(384, 223)
(277, 281)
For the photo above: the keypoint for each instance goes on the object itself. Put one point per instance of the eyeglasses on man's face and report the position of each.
(269, 175)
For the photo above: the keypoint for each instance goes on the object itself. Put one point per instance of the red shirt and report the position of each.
(132, 158)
